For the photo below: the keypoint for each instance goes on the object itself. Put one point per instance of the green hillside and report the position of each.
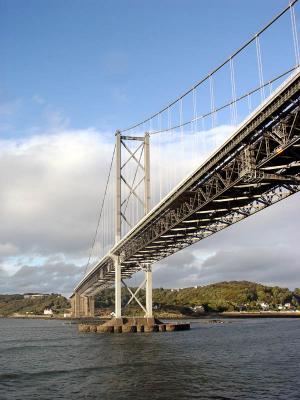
(223, 296)
(228, 296)
(16, 303)
(218, 297)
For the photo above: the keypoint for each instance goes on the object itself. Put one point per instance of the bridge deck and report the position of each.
(258, 166)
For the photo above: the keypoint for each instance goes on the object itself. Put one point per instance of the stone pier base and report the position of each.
(132, 325)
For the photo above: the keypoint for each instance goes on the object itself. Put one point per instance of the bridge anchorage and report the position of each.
(256, 167)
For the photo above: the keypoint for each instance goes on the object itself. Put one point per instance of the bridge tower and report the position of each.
(143, 166)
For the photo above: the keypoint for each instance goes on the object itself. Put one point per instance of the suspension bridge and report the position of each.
(222, 151)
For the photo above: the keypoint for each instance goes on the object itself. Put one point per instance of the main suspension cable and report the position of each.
(211, 113)
(101, 210)
(207, 77)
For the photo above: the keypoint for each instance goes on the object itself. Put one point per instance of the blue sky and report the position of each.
(71, 73)
(109, 63)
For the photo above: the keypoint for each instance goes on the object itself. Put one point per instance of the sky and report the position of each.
(71, 74)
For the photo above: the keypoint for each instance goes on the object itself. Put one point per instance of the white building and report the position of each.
(264, 306)
(48, 311)
(33, 295)
(199, 309)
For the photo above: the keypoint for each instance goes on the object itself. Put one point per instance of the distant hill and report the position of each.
(223, 296)
(229, 296)
(218, 297)
(16, 303)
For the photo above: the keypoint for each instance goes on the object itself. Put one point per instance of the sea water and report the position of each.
(239, 359)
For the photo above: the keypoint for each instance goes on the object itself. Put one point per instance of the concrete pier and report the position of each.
(82, 306)
(133, 325)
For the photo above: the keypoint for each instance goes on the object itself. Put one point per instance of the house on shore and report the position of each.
(33, 295)
(48, 311)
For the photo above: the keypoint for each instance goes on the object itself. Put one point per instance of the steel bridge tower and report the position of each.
(143, 145)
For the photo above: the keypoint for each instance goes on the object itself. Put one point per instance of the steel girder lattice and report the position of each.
(257, 167)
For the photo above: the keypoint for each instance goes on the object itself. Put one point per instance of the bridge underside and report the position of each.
(257, 167)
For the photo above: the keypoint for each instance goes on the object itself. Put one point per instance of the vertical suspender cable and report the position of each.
(249, 103)
(234, 116)
(295, 33)
(101, 238)
(101, 211)
(179, 167)
(270, 88)
(195, 109)
(260, 67)
(212, 101)
(168, 188)
(160, 161)
(212, 106)
(196, 137)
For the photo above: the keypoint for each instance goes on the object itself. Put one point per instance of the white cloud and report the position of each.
(49, 277)
(262, 248)
(50, 191)
(8, 249)
(51, 187)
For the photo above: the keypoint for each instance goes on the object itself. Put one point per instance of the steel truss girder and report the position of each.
(273, 196)
(269, 139)
(243, 168)
(275, 112)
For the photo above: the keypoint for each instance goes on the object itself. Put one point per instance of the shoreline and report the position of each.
(261, 314)
(224, 315)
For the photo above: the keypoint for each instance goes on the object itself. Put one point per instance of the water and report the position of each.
(248, 359)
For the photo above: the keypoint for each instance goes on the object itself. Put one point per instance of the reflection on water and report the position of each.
(250, 359)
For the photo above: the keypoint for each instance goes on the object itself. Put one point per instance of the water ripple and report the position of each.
(254, 359)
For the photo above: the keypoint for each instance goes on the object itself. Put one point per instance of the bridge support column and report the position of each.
(85, 301)
(148, 273)
(82, 306)
(91, 306)
(118, 286)
(76, 305)
(72, 306)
